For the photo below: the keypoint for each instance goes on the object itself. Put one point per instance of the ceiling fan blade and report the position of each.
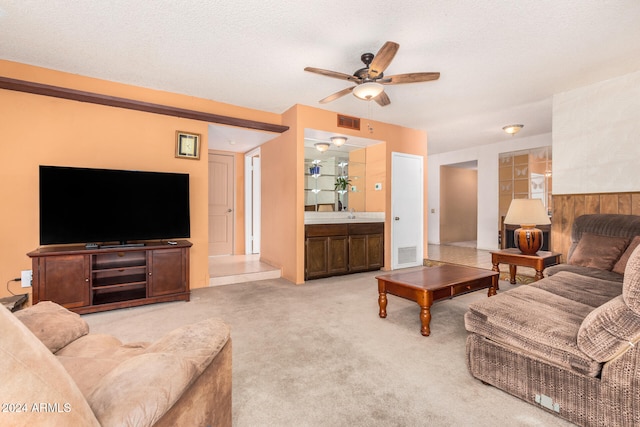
(382, 99)
(382, 59)
(334, 74)
(409, 78)
(336, 95)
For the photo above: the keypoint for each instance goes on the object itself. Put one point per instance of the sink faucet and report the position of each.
(352, 214)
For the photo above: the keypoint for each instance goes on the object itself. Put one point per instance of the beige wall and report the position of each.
(376, 173)
(282, 163)
(458, 204)
(595, 137)
(39, 130)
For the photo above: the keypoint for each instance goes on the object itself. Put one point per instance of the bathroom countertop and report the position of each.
(342, 217)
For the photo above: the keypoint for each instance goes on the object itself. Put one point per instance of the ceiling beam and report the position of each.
(112, 101)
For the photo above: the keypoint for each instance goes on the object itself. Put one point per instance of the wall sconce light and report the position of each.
(527, 213)
(368, 90)
(338, 141)
(512, 129)
(322, 146)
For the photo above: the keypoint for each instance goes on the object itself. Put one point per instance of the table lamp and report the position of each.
(527, 213)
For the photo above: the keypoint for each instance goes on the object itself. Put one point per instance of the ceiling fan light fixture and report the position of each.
(322, 146)
(338, 141)
(512, 129)
(368, 90)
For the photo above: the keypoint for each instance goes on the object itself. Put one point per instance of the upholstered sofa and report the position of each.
(55, 373)
(567, 343)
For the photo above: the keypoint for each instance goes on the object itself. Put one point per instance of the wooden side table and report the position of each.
(514, 257)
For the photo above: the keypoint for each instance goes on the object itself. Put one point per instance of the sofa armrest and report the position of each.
(30, 376)
(609, 330)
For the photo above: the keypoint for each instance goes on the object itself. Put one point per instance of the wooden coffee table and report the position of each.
(513, 257)
(430, 284)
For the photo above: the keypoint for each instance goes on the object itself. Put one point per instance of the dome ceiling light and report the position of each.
(512, 129)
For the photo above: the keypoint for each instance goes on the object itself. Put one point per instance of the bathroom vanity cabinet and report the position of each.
(343, 248)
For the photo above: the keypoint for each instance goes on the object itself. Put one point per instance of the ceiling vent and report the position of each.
(348, 122)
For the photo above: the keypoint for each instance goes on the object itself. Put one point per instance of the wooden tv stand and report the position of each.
(98, 279)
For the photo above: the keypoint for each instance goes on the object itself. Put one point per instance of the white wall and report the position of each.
(596, 138)
(487, 157)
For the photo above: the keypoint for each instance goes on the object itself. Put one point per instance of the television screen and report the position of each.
(82, 205)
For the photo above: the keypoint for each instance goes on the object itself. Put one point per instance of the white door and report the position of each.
(221, 216)
(252, 202)
(407, 225)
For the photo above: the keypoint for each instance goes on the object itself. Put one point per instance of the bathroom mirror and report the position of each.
(335, 179)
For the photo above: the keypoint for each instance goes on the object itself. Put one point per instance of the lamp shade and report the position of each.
(527, 212)
(368, 90)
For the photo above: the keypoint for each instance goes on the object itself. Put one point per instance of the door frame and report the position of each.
(253, 202)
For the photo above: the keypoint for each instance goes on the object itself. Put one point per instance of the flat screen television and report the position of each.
(101, 206)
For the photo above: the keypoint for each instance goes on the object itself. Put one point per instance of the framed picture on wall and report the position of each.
(187, 145)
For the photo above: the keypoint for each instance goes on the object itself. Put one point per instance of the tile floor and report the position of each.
(226, 270)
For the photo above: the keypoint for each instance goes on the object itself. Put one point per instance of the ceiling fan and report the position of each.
(370, 80)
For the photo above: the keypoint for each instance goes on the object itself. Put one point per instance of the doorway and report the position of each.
(459, 204)
(221, 204)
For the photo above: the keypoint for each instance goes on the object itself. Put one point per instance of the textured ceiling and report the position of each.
(501, 61)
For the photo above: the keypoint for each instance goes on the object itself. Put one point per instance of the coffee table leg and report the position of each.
(425, 319)
(382, 302)
(493, 290)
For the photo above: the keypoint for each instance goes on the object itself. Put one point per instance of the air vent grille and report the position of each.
(348, 122)
(407, 255)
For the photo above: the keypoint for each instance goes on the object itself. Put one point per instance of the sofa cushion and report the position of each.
(584, 289)
(603, 224)
(631, 284)
(536, 321)
(53, 324)
(596, 251)
(584, 271)
(621, 264)
(91, 357)
(609, 330)
(153, 381)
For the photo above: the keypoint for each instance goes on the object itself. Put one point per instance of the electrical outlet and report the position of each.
(26, 276)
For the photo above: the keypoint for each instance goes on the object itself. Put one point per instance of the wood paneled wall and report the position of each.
(567, 207)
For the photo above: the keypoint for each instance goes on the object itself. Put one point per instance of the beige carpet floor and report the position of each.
(319, 355)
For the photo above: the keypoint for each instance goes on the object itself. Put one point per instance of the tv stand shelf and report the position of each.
(98, 279)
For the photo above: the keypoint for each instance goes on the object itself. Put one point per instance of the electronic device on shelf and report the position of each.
(84, 205)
